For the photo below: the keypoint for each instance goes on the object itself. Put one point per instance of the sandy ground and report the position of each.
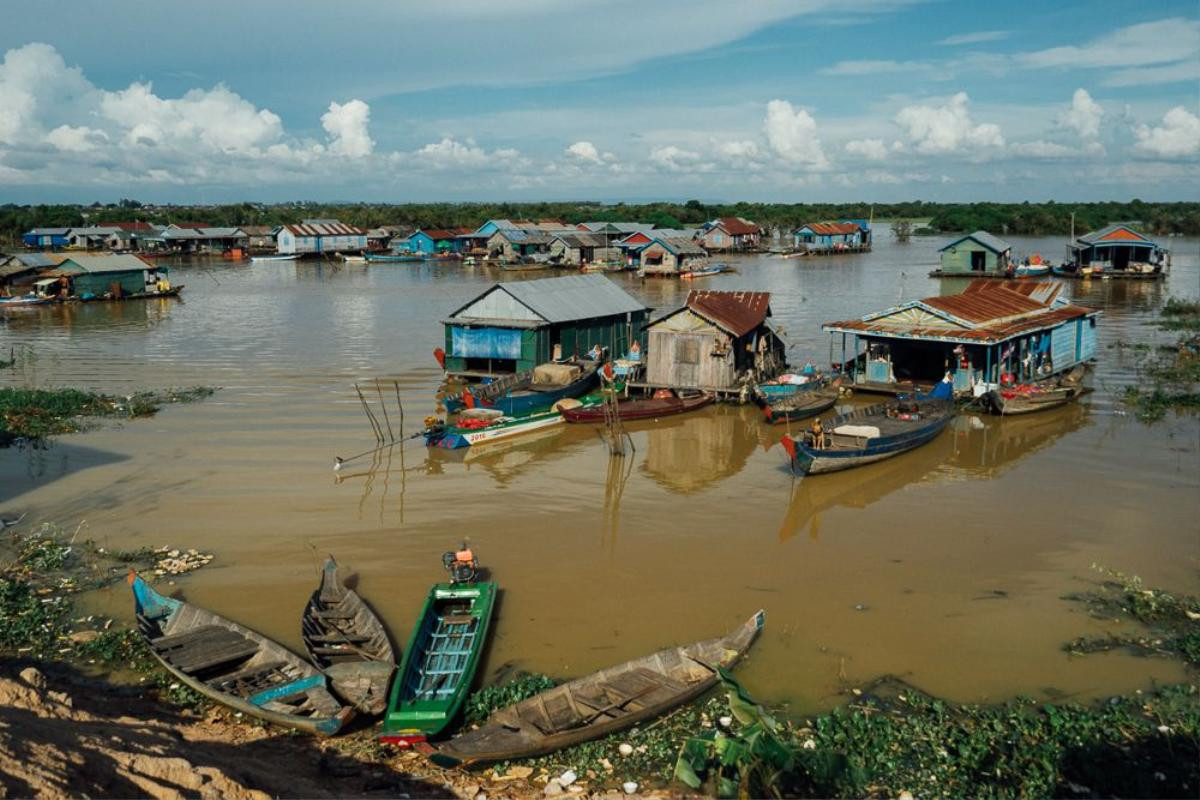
(63, 734)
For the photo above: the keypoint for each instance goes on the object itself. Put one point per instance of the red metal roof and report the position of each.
(439, 233)
(1122, 234)
(832, 228)
(736, 226)
(325, 229)
(737, 312)
(129, 226)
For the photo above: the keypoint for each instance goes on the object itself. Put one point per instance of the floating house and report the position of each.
(433, 241)
(730, 234)
(260, 238)
(517, 325)
(18, 273)
(112, 274)
(669, 255)
(320, 236)
(513, 244)
(717, 341)
(1118, 248)
(978, 253)
(100, 237)
(841, 236)
(1019, 328)
(616, 230)
(46, 238)
(583, 248)
(195, 239)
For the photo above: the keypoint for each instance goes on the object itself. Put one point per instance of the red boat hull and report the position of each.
(645, 408)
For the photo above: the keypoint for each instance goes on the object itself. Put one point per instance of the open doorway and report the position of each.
(978, 261)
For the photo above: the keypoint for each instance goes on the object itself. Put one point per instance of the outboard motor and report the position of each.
(461, 565)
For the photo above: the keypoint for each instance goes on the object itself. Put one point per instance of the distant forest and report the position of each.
(1031, 219)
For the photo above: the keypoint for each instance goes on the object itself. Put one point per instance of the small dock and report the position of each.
(727, 394)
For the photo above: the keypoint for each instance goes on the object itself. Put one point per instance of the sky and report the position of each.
(772, 101)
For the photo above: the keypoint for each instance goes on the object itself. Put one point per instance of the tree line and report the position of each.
(1031, 219)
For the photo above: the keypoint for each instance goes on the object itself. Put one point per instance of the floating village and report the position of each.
(573, 347)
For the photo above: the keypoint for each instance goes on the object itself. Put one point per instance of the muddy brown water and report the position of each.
(946, 566)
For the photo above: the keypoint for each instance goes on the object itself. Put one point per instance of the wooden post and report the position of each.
(383, 405)
(370, 417)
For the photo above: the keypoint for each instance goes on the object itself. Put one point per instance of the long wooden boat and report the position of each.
(1029, 397)
(874, 433)
(23, 301)
(787, 385)
(234, 665)
(520, 393)
(801, 405)
(264, 259)
(440, 662)
(601, 703)
(471, 430)
(348, 643)
(1032, 271)
(704, 272)
(380, 258)
(642, 407)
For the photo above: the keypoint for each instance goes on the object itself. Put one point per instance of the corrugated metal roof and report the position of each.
(831, 228)
(97, 230)
(1116, 232)
(110, 262)
(325, 228)
(583, 239)
(679, 246)
(39, 260)
(437, 234)
(47, 232)
(737, 312)
(569, 298)
(993, 243)
(736, 226)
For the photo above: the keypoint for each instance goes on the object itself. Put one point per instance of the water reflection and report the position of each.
(692, 452)
(974, 448)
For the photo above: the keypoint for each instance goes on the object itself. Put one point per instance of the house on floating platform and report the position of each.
(669, 255)
(318, 237)
(433, 241)
(978, 254)
(18, 273)
(260, 238)
(717, 341)
(1118, 249)
(729, 235)
(517, 325)
(46, 238)
(578, 249)
(513, 244)
(834, 237)
(107, 274)
(993, 327)
(100, 237)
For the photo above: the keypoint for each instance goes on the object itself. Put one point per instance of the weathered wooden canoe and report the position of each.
(348, 643)
(1027, 398)
(440, 662)
(234, 665)
(471, 432)
(641, 408)
(801, 405)
(519, 393)
(606, 701)
(871, 434)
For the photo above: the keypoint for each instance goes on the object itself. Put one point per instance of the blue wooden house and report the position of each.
(46, 238)
(433, 241)
(1118, 249)
(847, 235)
(1020, 328)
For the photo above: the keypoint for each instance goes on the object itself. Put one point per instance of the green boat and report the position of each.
(442, 655)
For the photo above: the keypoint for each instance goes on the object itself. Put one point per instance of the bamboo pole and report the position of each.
(383, 406)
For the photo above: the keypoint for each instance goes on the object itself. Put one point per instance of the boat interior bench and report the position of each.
(203, 648)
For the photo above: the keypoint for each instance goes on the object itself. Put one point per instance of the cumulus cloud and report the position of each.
(870, 149)
(584, 151)
(346, 125)
(76, 140)
(452, 153)
(37, 86)
(1083, 116)
(1043, 149)
(206, 120)
(673, 158)
(742, 150)
(1177, 137)
(792, 135)
(946, 129)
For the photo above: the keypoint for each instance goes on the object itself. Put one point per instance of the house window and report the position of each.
(687, 351)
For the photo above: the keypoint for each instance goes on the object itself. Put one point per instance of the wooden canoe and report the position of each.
(871, 434)
(234, 665)
(1027, 398)
(641, 408)
(348, 643)
(439, 664)
(601, 703)
(801, 405)
(518, 394)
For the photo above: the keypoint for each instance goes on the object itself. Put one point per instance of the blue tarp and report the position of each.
(486, 343)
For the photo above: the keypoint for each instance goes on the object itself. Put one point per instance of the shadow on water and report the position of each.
(26, 467)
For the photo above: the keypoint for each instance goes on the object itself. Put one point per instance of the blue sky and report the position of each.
(804, 101)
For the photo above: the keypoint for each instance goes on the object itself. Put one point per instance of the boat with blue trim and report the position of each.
(384, 258)
(873, 433)
(532, 390)
(479, 425)
(234, 665)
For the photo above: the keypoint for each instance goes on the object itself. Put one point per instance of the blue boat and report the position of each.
(378, 257)
(872, 434)
(526, 392)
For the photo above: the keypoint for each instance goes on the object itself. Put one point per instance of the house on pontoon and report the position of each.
(842, 236)
(577, 249)
(517, 325)
(670, 255)
(993, 328)
(730, 235)
(320, 236)
(46, 238)
(1120, 249)
(979, 253)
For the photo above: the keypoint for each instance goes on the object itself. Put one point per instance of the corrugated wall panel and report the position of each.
(1062, 345)
(1088, 340)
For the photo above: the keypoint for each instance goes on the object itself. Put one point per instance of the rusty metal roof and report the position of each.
(323, 228)
(737, 312)
(831, 228)
(736, 226)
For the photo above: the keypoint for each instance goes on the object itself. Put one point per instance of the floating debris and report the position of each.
(175, 562)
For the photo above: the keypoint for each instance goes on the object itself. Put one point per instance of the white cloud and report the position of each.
(737, 151)
(1160, 42)
(948, 129)
(874, 67)
(792, 134)
(584, 151)
(1083, 116)
(452, 153)
(36, 85)
(346, 125)
(1177, 137)
(673, 158)
(975, 38)
(870, 149)
(76, 140)
(214, 120)
(1150, 76)
(1043, 149)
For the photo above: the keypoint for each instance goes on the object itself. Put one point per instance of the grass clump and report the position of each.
(482, 703)
(35, 414)
(1168, 378)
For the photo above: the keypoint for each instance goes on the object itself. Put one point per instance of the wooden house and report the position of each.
(517, 325)
(46, 238)
(98, 237)
(105, 274)
(513, 244)
(730, 234)
(841, 236)
(668, 255)
(259, 238)
(978, 253)
(1118, 249)
(319, 236)
(582, 248)
(993, 327)
(18, 272)
(433, 241)
(716, 341)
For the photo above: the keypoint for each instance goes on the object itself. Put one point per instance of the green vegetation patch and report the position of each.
(1168, 377)
(38, 413)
